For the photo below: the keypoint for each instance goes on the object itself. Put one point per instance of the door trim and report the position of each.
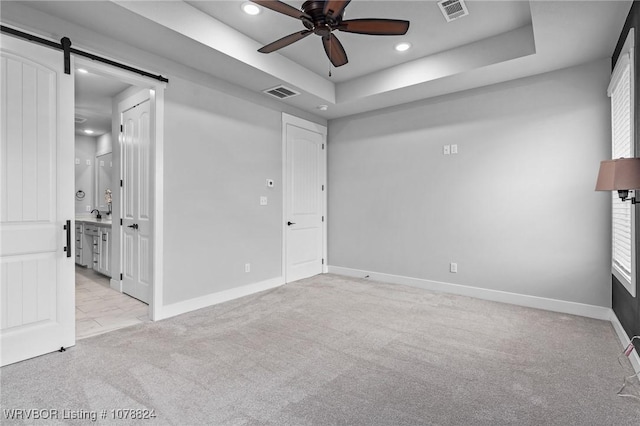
(308, 125)
(156, 89)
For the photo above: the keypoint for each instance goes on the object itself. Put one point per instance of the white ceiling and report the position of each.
(498, 41)
(93, 97)
(429, 32)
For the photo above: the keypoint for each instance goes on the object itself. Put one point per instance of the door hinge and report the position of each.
(120, 183)
(120, 221)
(121, 277)
(323, 261)
(323, 187)
(121, 128)
(322, 146)
(323, 218)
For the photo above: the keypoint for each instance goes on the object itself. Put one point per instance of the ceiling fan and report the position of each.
(322, 17)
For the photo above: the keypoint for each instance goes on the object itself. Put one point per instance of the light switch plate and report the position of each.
(446, 150)
(88, 162)
(263, 201)
(454, 149)
(77, 161)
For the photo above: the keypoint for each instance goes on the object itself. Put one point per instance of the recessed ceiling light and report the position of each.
(82, 71)
(250, 8)
(323, 107)
(88, 131)
(401, 47)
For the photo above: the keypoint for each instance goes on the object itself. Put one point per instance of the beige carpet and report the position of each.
(333, 350)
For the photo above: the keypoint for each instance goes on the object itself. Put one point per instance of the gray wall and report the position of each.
(516, 208)
(104, 144)
(85, 149)
(219, 151)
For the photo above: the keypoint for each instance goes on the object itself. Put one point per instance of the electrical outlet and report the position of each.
(263, 201)
(446, 150)
(454, 149)
(88, 208)
(453, 268)
(247, 267)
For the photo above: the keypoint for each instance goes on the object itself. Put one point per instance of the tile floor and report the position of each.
(100, 309)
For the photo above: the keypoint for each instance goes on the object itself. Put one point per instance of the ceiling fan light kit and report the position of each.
(322, 18)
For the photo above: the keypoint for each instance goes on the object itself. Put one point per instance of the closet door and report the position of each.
(305, 171)
(137, 276)
(37, 283)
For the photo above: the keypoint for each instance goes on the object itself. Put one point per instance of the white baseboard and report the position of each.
(590, 311)
(573, 308)
(624, 339)
(183, 307)
(116, 285)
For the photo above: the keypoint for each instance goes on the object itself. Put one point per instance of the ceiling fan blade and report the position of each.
(333, 8)
(283, 8)
(375, 26)
(335, 51)
(284, 41)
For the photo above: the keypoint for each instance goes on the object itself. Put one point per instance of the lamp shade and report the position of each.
(619, 174)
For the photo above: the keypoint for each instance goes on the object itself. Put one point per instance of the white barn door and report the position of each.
(137, 276)
(37, 281)
(305, 171)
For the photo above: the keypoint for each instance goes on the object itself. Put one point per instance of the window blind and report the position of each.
(622, 146)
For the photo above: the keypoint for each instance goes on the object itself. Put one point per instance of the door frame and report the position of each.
(156, 97)
(288, 119)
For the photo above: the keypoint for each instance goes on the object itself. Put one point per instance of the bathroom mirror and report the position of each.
(104, 167)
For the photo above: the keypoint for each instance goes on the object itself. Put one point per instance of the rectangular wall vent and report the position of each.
(453, 9)
(281, 92)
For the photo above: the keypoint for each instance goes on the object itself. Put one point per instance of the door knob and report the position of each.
(290, 223)
(134, 226)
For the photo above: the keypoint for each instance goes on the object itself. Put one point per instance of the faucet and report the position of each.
(98, 216)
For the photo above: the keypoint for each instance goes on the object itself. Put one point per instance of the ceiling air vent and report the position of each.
(80, 120)
(453, 9)
(281, 92)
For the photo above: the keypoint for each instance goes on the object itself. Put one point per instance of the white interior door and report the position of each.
(304, 198)
(37, 284)
(137, 275)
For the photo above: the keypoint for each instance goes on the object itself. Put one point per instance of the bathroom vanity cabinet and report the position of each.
(93, 245)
